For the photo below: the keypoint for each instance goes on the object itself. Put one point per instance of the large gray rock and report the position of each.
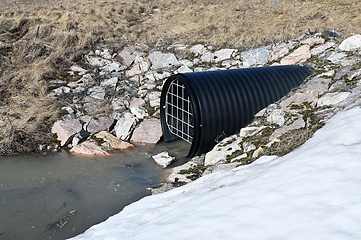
(300, 55)
(65, 130)
(163, 159)
(148, 132)
(332, 98)
(254, 57)
(100, 124)
(163, 60)
(351, 44)
(124, 126)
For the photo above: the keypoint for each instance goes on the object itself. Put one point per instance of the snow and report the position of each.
(313, 192)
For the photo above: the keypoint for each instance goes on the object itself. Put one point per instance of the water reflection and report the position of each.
(60, 195)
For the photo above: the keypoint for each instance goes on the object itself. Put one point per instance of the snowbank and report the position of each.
(312, 193)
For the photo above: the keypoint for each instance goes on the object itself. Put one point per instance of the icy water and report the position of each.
(59, 195)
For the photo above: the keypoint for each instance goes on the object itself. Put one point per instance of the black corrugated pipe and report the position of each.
(200, 107)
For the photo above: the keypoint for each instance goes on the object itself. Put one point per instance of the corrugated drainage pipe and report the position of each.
(201, 106)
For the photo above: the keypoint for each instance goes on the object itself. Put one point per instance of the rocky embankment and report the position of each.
(111, 99)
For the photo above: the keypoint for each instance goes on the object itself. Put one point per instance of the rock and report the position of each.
(148, 132)
(300, 55)
(84, 81)
(111, 142)
(298, 99)
(351, 44)
(250, 131)
(97, 92)
(154, 98)
(136, 102)
(120, 104)
(337, 57)
(110, 83)
(79, 137)
(317, 85)
(311, 41)
(198, 49)
(297, 124)
(276, 117)
(322, 48)
(163, 159)
(89, 148)
(65, 130)
(104, 53)
(218, 155)
(114, 66)
(59, 91)
(156, 76)
(125, 125)
(280, 50)
(100, 124)
(127, 55)
(77, 69)
(139, 112)
(163, 60)
(97, 61)
(223, 54)
(254, 57)
(332, 98)
(183, 69)
(231, 63)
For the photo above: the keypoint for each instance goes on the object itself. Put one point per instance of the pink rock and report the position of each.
(148, 132)
(299, 98)
(300, 55)
(65, 130)
(89, 148)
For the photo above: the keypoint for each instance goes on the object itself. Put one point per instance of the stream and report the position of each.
(60, 195)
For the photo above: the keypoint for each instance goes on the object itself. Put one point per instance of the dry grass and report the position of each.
(40, 38)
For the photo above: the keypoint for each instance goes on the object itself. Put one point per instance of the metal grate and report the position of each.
(178, 111)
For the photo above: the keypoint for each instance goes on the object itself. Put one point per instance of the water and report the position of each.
(57, 196)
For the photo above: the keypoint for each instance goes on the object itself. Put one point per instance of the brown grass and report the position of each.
(40, 38)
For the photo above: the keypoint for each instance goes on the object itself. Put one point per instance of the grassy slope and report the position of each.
(40, 38)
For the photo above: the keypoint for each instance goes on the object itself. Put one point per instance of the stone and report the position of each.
(100, 124)
(317, 85)
(337, 57)
(198, 49)
(276, 116)
(136, 102)
(111, 142)
(250, 131)
(104, 53)
(161, 60)
(183, 69)
(97, 61)
(163, 159)
(77, 69)
(113, 67)
(299, 98)
(59, 91)
(156, 76)
(174, 176)
(89, 148)
(186, 62)
(300, 55)
(125, 126)
(322, 48)
(223, 54)
(254, 57)
(332, 98)
(280, 50)
(139, 112)
(351, 43)
(148, 132)
(311, 41)
(128, 55)
(97, 92)
(218, 155)
(110, 83)
(65, 130)
(79, 137)
(84, 81)
(231, 63)
(297, 124)
(154, 99)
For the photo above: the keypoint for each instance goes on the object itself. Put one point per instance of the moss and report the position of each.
(193, 172)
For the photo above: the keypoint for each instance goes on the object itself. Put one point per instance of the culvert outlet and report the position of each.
(200, 107)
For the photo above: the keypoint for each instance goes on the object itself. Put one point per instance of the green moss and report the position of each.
(193, 172)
